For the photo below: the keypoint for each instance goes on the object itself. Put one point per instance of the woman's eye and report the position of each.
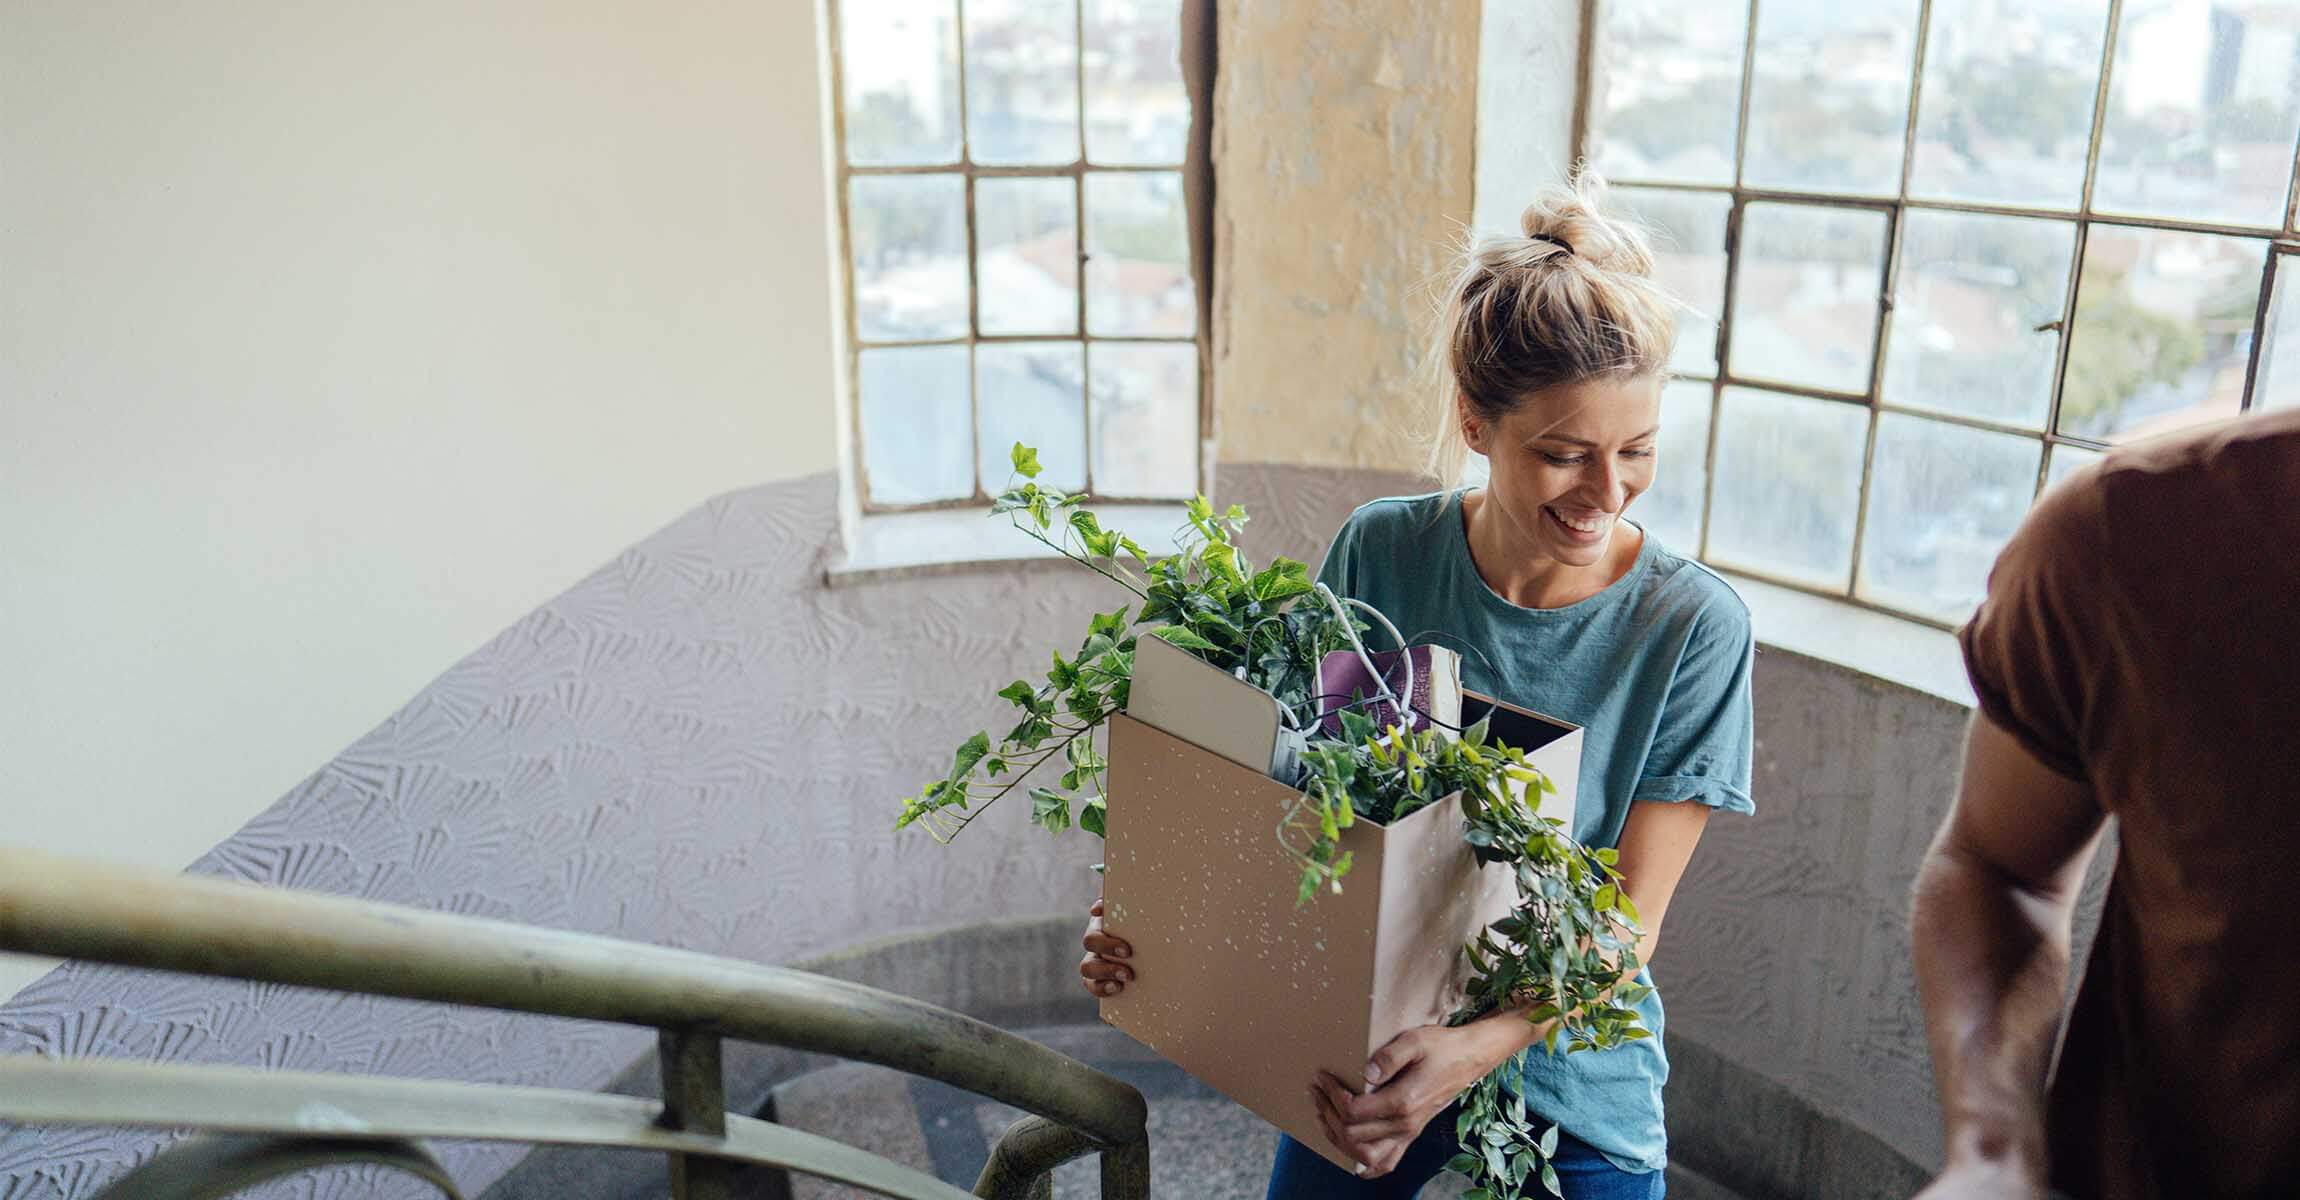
(1641, 452)
(1564, 460)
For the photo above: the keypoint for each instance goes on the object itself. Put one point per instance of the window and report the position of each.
(1938, 254)
(1016, 246)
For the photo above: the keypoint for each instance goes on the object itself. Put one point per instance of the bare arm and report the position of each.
(1995, 898)
(1420, 1071)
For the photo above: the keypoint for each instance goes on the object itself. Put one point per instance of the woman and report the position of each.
(1556, 345)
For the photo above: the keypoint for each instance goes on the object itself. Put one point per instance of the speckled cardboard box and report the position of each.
(1235, 983)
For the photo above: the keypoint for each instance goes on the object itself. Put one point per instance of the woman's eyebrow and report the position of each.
(1574, 441)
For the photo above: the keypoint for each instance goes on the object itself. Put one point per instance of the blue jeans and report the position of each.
(1299, 1174)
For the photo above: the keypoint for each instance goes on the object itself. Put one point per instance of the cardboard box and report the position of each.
(1237, 985)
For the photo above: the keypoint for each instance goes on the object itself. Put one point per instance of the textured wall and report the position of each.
(1343, 145)
(698, 745)
(335, 337)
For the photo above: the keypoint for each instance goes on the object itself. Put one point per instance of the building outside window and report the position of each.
(1938, 254)
(1016, 247)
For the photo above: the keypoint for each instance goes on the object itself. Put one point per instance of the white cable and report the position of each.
(1349, 629)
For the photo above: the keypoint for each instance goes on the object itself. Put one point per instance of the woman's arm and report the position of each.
(1420, 1071)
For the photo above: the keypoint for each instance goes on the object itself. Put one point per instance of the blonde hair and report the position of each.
(1571, 300)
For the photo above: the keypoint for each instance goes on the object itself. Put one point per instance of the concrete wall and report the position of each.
(1342, 152)
(334, 338)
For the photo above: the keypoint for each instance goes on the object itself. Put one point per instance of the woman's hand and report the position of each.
(1105, 976)
(1409, 1081)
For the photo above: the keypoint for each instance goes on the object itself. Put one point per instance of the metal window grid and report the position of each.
(2282, 251)
(966, 168)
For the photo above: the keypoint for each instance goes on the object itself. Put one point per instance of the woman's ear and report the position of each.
(1473, 430)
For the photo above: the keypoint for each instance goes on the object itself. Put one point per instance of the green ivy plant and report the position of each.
(1206, 598)
(1566, 955)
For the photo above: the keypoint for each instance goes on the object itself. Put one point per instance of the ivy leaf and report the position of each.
(1281, 580)
(1025, 460)
(1183, 636)
(1461, 1164)
(1548, 1143)
(1049, 808)
(1549, 1181)
(1110, 624)
(970, 752)
(1222, 559)
(1092, 814)
(1020, 692)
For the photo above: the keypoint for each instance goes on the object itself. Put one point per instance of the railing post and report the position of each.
(1126, 1172)
(695, 1101)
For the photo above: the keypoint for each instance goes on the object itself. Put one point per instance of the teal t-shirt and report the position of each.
(1655, 669)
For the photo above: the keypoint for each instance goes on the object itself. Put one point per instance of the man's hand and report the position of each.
(1980, 1179)
(1409, 1081)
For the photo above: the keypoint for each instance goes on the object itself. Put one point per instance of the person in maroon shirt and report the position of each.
(2138, 656)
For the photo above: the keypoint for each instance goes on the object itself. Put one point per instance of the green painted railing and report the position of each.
(266, 1123)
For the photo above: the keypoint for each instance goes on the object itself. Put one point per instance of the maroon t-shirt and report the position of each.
(2142, 634)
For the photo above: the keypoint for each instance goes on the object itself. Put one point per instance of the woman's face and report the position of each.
(1566, 462)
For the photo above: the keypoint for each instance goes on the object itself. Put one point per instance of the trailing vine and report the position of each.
(1565, 956)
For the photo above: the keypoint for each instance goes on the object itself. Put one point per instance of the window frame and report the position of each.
(2281, 252)
(1194, 164)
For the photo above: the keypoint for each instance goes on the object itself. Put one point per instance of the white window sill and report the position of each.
(1915, 656)
(902, 545)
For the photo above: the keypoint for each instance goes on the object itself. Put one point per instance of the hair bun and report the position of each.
(1573, 219)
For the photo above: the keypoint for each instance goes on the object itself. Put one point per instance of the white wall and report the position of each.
(338, 336)
(1525, 79)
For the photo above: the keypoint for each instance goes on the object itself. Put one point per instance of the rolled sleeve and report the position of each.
(1704, 746)
(2026, 647)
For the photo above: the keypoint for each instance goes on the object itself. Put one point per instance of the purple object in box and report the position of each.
(1342, 677)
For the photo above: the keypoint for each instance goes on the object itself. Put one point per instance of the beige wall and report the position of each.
(1343, 164)
(337, 337)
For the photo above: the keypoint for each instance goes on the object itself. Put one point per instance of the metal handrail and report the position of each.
(76, 909)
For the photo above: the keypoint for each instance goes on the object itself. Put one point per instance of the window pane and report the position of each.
(1033, 393)
(1830, 102)
(1805, 302)
(2203, 112)
(1671, 508)
(2279, 383)
(1943, 502)
(909, 237)
(1970, 296)
(1145, 420)
(1669, 90)
(900, 63)
(1022, 81)
(1026, 232)
(2006, 105)
(1688, 230)
(1137, 111)
(1138, 256)
(917, 423)
(2066, 460)
(1788, 485)
(2163, 329)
